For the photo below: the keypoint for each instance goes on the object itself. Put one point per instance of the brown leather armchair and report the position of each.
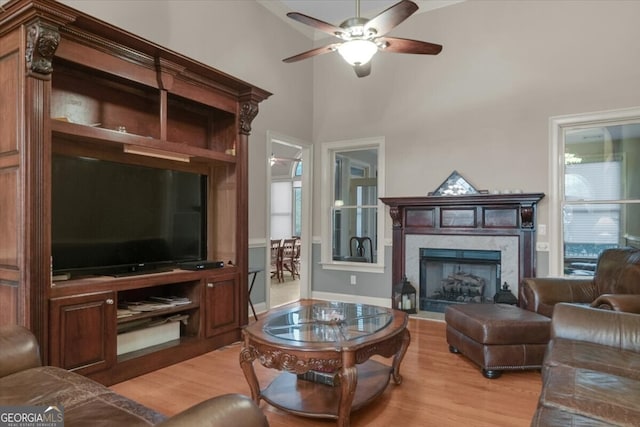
(615, 286)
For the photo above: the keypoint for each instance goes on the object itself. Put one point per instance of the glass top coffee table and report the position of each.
(324, 350)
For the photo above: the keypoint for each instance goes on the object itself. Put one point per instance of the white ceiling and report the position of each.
(336, 11)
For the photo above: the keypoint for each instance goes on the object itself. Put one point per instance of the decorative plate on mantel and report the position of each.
(455, 185)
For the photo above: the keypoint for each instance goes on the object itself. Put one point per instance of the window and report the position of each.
(596, 201)
(354, 222)
(297, 200)
(286, 205)
(281, 209)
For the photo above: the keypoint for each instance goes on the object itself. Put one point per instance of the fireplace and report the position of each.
(506, 246)
(486, 236)
(455, 276)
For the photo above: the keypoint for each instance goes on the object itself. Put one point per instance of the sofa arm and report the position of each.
(540, 295)
(604, 327)
(227, 410)
(629, 303)
(19, 350)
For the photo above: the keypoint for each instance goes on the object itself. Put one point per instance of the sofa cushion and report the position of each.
(591, 394)
(85, 402)
(585, 355)
(546, 417)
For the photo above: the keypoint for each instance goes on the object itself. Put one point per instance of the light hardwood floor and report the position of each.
(439, 388)
(284, 292)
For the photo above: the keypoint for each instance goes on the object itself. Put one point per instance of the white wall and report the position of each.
(482, 106)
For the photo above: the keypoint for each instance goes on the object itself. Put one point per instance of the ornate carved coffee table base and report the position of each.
(360, 380)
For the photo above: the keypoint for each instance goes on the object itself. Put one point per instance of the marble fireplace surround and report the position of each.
(504, 222)
(507, 245)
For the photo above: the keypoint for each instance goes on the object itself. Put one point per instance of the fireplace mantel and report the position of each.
(469, 215)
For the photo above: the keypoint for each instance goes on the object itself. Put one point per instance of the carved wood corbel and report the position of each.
(396, 216)
(42, 42)
(526, 216)
(248, 112)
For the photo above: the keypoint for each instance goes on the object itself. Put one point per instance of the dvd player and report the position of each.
(201, 265)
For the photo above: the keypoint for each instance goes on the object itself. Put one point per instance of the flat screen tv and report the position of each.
(111, 218)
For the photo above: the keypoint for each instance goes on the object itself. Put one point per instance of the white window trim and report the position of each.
(557, 127)
(326, 259)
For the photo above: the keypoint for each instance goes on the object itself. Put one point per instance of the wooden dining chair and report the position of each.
(288, 257)
(276, 260)
(360, 249)
(296, 256)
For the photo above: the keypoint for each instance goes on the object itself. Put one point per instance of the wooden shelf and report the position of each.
(158, 313)
(308, 398)
(101, 136)
(147, 280)
(155, 348)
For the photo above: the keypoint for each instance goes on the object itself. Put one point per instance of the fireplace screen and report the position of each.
(454, 276)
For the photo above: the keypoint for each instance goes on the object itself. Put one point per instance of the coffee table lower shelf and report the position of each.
(317, 400)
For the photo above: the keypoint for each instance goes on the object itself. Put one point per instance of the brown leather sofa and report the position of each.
(615, 286)
(591, 370)
(24, 382)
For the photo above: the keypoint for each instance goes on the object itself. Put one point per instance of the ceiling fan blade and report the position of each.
(363, 70)
(386, 20)
(312, 52)
(398, 45)
(319, 25)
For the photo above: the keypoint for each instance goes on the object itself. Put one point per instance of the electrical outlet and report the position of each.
(542, 229)
(353, 279)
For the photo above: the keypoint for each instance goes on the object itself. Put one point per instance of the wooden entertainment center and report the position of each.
(71, 84)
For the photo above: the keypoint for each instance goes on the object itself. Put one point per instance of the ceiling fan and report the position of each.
(361, 38)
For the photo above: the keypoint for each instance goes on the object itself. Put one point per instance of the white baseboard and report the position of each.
(261, 307)
(330, 296)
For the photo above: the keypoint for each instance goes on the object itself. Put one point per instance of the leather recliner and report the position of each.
(615, 286)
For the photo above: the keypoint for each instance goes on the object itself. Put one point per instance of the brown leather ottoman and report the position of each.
(497, 337)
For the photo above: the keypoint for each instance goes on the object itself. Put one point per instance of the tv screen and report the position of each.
(111, 218)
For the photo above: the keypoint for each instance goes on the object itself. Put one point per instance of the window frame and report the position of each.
(558, 126)
(296, 207)
(329, 149)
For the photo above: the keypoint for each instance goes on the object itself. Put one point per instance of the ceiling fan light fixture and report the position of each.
(360, 38)
(357, 52)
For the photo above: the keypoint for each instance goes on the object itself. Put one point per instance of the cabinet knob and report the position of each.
(109, 301)
(209, 285)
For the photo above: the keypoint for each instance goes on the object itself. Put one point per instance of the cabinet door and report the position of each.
(221, 314)
(83, 332)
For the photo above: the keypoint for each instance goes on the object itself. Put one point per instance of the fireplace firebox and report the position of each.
(457, 276)
(503, 223)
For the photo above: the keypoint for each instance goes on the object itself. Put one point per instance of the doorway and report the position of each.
(288, 202)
